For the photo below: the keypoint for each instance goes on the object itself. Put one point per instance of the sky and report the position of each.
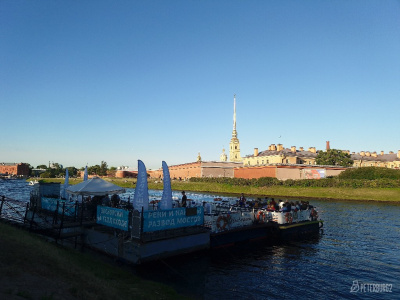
(117, 81)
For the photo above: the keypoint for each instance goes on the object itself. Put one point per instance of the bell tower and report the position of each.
(234, 145)
(223, 156)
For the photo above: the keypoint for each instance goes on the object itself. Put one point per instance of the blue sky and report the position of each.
(88, 81)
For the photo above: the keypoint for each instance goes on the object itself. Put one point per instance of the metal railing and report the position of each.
(13, 210)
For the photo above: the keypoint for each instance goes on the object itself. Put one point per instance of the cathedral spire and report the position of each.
(234, 132)
(234, 145)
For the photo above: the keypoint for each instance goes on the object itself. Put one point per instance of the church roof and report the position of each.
(308, 154)
(286, 152)
(384, 158)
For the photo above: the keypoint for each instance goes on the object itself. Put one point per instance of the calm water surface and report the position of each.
(360, 242)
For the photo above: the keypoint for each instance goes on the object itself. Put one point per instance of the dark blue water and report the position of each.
(360, 244)
(15, 189)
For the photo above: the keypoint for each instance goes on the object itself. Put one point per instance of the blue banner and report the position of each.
(66, 185)
(166, 200)
(174, 218)
(113, 217)
(141, 197)
(85, 174)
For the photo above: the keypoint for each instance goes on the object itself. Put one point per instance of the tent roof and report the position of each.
(95, 186)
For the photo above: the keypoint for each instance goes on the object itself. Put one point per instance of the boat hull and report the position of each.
(244, 234)
(270, 231)
(300, 230)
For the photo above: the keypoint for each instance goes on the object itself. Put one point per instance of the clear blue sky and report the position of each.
(86, 81)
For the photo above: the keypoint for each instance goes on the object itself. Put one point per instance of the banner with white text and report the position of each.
(173, 218)
(113, 217)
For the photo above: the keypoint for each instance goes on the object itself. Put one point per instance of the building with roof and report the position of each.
(372, 159)
(277, 154)
(198, 169)
(14, 169)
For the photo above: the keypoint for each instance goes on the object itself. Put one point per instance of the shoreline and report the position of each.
(372, 195)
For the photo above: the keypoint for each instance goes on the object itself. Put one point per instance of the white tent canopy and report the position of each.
(96, 187)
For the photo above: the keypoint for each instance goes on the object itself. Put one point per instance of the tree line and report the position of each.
(56, 170)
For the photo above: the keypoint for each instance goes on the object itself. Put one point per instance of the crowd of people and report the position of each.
(276, 206)
(287, 206)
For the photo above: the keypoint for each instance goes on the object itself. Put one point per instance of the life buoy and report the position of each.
(261, 216)
(288, 217)
(224, 222)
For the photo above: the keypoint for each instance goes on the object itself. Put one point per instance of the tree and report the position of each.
(112, 171)
(103, 168)
(100, 170)
(93, 170)
(334, 157)
(72, 171)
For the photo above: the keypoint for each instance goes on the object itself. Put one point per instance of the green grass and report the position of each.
(329, 193)
(49, 271)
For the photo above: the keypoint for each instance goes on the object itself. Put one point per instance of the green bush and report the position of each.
(346, 182)
(370, 173)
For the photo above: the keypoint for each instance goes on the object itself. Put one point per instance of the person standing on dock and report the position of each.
(242, 201)
(184, 199)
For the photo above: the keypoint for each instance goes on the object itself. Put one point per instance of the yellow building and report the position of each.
(372, 159)
(277, 154)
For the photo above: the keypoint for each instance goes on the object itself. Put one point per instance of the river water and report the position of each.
(357, 255)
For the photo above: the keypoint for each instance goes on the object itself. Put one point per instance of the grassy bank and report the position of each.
(329, 193)
(32, 268)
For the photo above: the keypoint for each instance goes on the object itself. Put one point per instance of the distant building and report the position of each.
(372, 159)
(223, 156)
(277, 154)
(198, 169)
(276, 161)
(126, 173)
(14, 169)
